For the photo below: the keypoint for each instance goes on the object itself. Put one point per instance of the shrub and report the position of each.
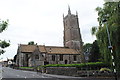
(26, 67)
(82, 65)
(105, 70)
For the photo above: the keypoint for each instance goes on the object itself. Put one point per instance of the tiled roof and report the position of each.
(27, 48)
(42, 48)
(47, 49)
(61, 50)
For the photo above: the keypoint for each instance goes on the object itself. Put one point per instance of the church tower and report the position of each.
(72, 35)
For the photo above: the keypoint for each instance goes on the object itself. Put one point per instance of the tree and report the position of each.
(31, 43)
(94, 52)
(3, 44)
(111, 13)
(86, 50)
(87, 46)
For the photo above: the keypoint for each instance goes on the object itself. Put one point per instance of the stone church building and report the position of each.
(35, 55)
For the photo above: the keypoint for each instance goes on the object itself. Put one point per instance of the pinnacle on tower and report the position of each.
(76, 13)
(69, 11)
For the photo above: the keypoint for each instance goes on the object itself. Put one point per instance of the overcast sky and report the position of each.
(41, 21)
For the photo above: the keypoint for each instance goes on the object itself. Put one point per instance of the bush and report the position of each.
(102, 70)
(26, 67)
(82, 65)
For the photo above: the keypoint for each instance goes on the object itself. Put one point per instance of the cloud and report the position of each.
(42, 21)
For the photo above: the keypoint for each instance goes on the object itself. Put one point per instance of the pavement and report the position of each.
(0, 71)
(13, 74)
(59, 76)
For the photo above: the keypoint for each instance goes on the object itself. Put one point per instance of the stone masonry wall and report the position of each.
(73, 71)
(69, 71)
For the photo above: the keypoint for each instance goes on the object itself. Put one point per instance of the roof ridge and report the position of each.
(55, 46)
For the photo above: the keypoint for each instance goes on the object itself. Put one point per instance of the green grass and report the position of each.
(26, 67)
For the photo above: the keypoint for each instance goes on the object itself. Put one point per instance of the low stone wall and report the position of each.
(69, 71)
(73, 71)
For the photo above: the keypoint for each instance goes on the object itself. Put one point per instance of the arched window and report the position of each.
(61, 57)
(53, 57)
(74, 57)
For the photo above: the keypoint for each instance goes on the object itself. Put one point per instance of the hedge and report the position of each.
(26, 67)
(90, 64)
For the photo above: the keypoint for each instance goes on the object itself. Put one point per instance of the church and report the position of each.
(70, 53)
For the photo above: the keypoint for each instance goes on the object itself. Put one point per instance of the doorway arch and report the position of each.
(66, 61)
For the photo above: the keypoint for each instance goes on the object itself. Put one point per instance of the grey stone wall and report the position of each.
(69, 71)
(73, 71)
(36, 62)
(20, 59)
(67, 57)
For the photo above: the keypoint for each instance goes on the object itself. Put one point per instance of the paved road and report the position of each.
(0, 71)
(9, 73)
(12, 74)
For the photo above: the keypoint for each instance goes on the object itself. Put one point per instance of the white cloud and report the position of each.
(42, 21)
